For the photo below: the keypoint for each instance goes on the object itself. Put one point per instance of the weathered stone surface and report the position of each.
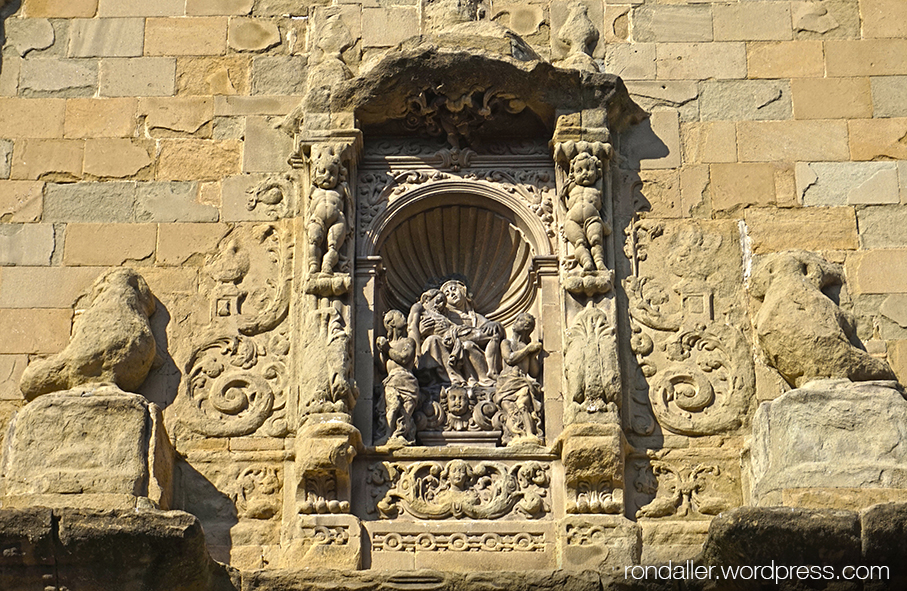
(198, 159)
(831, 98)
(167, 202)
(884, 18)
(187, 36)
(9, 76)
(830, 228)
(89, 202)
(29, 34)
(31, 118)
(58, 77)
(631, 61)
(664, 23)
(792, 141)
(94, 118)
(384, 27)
(699, 61)
(673, 94)
(6, 156)
(660, 193)
(26, 244)
(847, 183)
(108, 244)
(278, 74)
(869, 57)
(48, 159)
(895, 308)
(752, 21)
(853, 445)
(803, 333)
(709, 142)
(115, 158)
(760, 535)
(791, 59)
(218, 7)
(870, 272)
(107, 37)
(252, 35)
(177, 117)
(742, 185)
(177, 243)
(111, 343)
(694, 182)
(878, 139)
(109, 8)
(882, 226)
(254, 105)
(34, 331)
(887, 95)
(60, 8)
(826, 19)
(21, 201)
(11, 368)
(654, 143)
(744, 100)
(44, 287)
(266, 148)
(213, 75)
(140, 76)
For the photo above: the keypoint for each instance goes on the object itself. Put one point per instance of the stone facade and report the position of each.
(545, 287)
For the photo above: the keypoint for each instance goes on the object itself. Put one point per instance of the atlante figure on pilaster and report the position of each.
(329, 209)
(585, 226)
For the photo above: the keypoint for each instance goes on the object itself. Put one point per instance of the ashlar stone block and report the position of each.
(888, 94)
(109, 8)
(167, 202)
(655, 143)
(187, 36)
(883, 226)
(829, 228)
(387, 26)
(266, 148)
(117, 455)
(176, 243)
(36, 332)
(115, 158)
(736, 185)
(847, 183)
(106, 37)
(26, 244)
(829, 434)
(21, 201)
(672, 23)
(187, 160)
(786, 59)
(45, 287)
(282, 75)
(97, 118)
(753, 21)
(60, 8)
(871, 271)
(709, 142)
(866, 57)
(58, 77)
(738, 100)
(218, 7)
(252, 35)
(6, 156)
(96, 245)
(884, 18)
(631, 61)
(792, 141)
(48, 159)
(700, 61)
(213, 75)
(878, 139)
(110, 202)
(831, 98)
(28, 34)
(140, 76)
(177, 117)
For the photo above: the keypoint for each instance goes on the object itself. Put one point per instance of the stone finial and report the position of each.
(581, 36)
(803, 333)
(111, 340)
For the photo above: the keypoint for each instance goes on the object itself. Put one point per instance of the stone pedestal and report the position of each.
(93, 446)
(831, 443)
(593, 467)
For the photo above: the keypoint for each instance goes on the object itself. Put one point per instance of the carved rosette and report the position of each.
(458, 489)
(695, 370)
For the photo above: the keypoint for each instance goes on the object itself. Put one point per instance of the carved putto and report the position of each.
(327, 227)
(518, 393)
(111, 340)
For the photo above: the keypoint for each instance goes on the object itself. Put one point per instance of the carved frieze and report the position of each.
(459, 489)
(459, 542)
(695, 367)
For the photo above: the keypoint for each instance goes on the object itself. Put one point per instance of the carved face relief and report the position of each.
(326, 175)
(585, 170)
(456, 294)
(458, 402)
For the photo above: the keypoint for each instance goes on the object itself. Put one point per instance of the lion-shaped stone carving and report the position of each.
(804, 334)
(111, 340)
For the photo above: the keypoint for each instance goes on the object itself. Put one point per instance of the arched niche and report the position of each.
(464, 228)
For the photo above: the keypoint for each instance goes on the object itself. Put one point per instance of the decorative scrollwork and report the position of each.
(486, 490)
(682, 491)
(233, 387)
